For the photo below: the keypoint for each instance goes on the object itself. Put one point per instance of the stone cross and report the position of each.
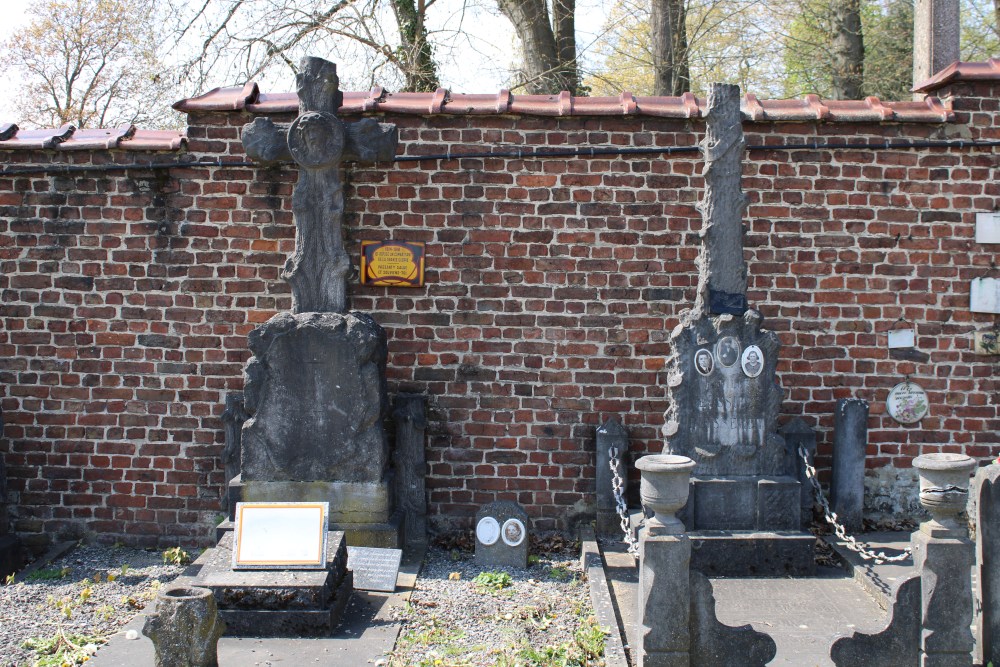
(936, 31)
(722, 280)
(318, 142)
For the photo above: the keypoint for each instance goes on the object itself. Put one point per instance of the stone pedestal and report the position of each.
(275, 603)
(664, 600)
(943, 555)
(988, 560)
(186, 627)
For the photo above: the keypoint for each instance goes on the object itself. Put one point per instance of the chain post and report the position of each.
(831, 518)
(618, 486)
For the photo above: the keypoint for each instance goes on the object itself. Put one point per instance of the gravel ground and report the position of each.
(535, 620)
(67, 596)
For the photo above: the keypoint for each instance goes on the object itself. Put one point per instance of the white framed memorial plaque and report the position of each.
(984, 295)
(907, 403)
(280, 536)
(488, 531)
(513, 532)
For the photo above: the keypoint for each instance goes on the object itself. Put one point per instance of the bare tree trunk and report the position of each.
(564, 24)
(848, 52)
(668, 29)
(543, 70)
(417, 59)
(996, 16)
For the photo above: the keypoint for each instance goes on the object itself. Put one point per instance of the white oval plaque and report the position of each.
(513, 532)
(488, 531)
(753, 361)
(907, 403)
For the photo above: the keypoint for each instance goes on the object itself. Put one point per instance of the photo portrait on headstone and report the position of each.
(753, 361)
(703, 361)
(727, 351)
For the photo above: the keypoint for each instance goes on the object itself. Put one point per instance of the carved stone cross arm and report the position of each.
(365, 141)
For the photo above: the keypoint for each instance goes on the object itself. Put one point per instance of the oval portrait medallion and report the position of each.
(703, 361)
(907, 403)
(752, 361)
(727, 351)
(488, 531)
(513, 532)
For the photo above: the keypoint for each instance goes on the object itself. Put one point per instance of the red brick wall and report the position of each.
(552, 287)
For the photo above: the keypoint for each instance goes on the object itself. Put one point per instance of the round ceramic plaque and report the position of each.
(513, 532)
(488, 531)
(753, 361)
(907, 403)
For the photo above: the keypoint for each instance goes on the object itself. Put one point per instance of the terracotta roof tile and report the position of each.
(810, 108)
(68, 138)
(961, 71)
(221, 99)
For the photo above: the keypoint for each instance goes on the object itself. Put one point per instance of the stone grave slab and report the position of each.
(502, 535)
(275, 603)
(374, 569)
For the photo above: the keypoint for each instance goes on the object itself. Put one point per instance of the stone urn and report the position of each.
(944, 487)
(664, 489)
(185, 628)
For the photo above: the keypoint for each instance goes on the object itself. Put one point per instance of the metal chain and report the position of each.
(618, 486)
(831, 518)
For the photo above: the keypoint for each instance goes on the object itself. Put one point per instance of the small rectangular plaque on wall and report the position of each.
(392, 263)
(985, 295)
(987, 227)
(279, 536)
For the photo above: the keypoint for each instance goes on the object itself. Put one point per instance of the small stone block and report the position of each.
(778, 503)
(724, 504)
(502, 535)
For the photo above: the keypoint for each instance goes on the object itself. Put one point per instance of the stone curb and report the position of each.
(600, 596)
(57, 551)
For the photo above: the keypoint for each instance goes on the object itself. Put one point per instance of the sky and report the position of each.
(478, 61)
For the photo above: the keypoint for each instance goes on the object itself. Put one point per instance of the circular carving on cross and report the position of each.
(316, 140)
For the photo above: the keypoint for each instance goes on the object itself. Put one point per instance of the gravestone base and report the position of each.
(743, 503)
(275, 603)
(608, 523)
(363, 511)
(729, 553)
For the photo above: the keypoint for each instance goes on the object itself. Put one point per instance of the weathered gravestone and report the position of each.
(502, 535)
(744, 508)
(612, 447)
(988, 561)
(315, 391)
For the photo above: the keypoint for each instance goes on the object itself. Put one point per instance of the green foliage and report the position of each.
(586, 649)
(560, 573)
(176, 556)
(61, 649)
(492, 582)
(888, 28)
(49, 574)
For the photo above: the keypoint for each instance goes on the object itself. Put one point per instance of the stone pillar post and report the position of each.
(935, 37)
(411, 466)
(664, 564)
(850, 438)
(943, 556)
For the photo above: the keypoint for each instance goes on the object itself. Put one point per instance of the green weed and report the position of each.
(492, 582)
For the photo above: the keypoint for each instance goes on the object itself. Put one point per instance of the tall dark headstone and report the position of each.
(850, 438)
(411, 466)
(724, 397)
(611, 437)
(10, 546)
(232, 419)
(315, 392)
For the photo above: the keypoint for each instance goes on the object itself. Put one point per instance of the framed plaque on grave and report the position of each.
(280, 536)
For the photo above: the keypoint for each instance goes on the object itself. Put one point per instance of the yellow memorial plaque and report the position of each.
(392, 263)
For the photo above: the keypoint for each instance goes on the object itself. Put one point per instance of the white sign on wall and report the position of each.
(987, 227)
(985, 295)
